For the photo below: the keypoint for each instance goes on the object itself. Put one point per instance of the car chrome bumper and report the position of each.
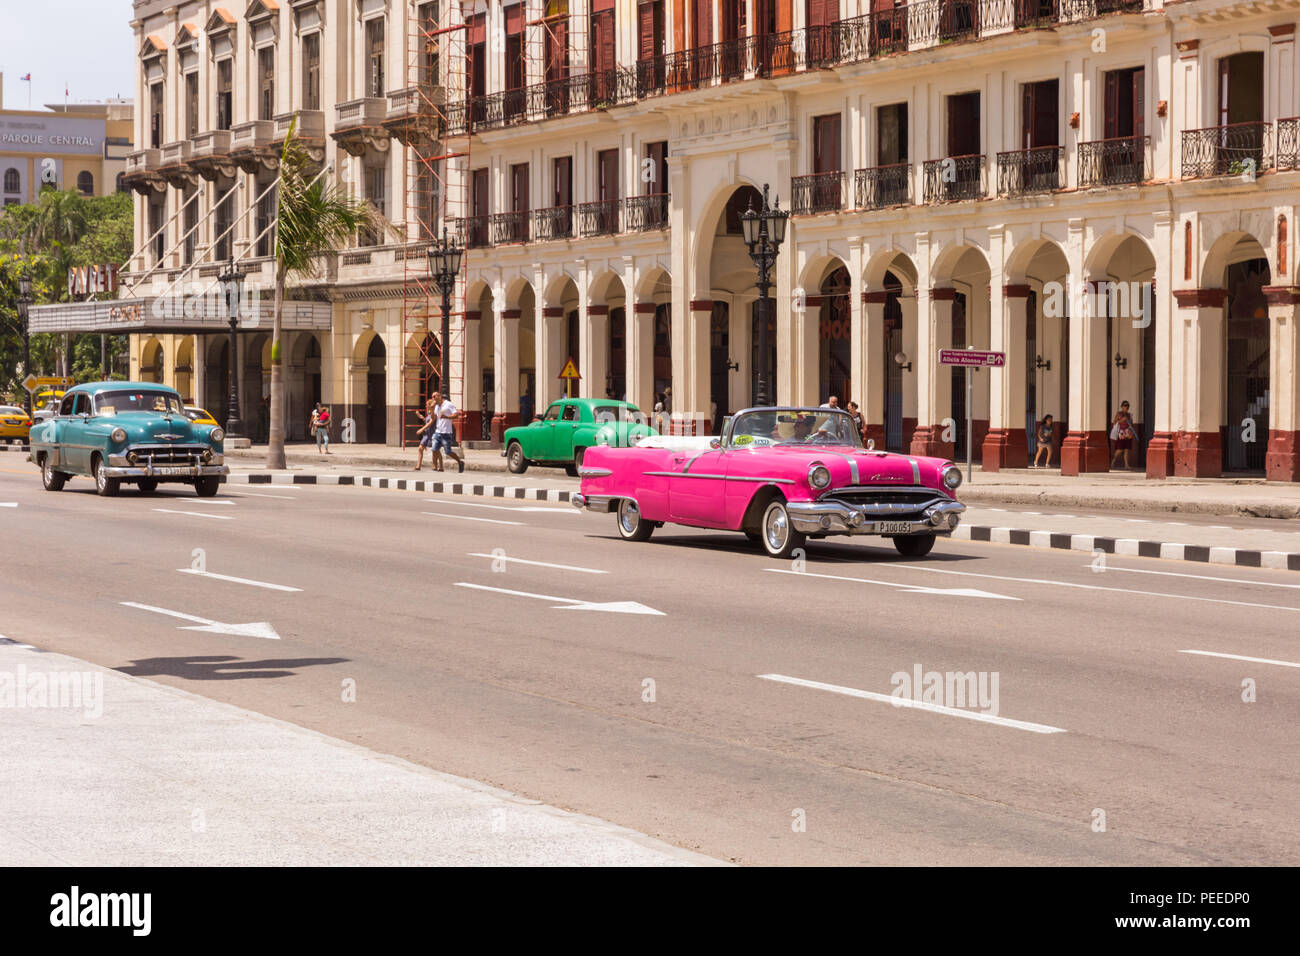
(168, 471)
(834, 517)
(602, 504)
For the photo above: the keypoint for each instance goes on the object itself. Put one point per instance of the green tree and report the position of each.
(314, 218)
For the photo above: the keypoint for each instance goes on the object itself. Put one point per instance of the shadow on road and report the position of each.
(859, 552)
(222, 668)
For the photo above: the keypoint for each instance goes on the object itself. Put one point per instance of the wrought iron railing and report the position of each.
(1034, 170)
(818, 193)
(598, 218)
(1239, 149)
(1114, 162)
(508, 227)
(1073, 11)
(1288, 143)
(472, 231)
(881, 186)
(954, 178)
(643, 213)
(1036, 13)
(554, 222)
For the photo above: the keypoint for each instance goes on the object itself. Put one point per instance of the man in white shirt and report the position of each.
(443, 436)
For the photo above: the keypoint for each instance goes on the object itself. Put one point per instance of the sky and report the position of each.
(85, 44)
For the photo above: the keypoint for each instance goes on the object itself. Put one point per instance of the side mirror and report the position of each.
(871, 444)
(715, 442)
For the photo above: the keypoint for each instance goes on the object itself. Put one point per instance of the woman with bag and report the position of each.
(1046, 438)
(1121, 433)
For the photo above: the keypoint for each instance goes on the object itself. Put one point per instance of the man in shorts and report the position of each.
(443, 436)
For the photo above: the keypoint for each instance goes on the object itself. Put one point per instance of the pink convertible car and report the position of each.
(780, 475)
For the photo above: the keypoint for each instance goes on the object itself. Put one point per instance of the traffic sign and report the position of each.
(972, 357)
(33, 382)
(569, 371)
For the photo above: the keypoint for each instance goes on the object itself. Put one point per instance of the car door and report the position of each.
(73, 435)
(570, 418)
(543, 441)
(697, 487)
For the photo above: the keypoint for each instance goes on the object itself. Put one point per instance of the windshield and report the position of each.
(795, 426)
(118, 403)
(10, 410)
(617, 413)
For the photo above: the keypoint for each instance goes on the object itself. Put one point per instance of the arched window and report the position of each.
(86, 183)
(13, 183)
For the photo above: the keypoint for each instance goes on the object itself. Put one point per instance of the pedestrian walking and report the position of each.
(1121, 433)
(320, 427)
(1046, 438)
(425, 434)
(443, 435)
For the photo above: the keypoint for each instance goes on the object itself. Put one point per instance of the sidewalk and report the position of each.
(163, 777)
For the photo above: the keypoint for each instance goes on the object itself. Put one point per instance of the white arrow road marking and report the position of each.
(1238, 657)
(908, 588)
(1199, 577)
(1097, 587)
(438, 514)
(8, 504)
(256, 629)
(254, 494)
(207, 503)
(917, 704)
(226, 577)
(572, 604)
(540, 564)
(195, 514)
(561, 510)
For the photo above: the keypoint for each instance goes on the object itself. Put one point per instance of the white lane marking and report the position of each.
(1098, 587)
(226, 577)
(908, 588)
(540, 564)
(1239, 657)
(916, 704)
(1199, 577)
(439, 514)
(254, 629)
(256, 494)
(194, 514)
(199, 501)
(473, 504)
(572, 604)
(8, 504)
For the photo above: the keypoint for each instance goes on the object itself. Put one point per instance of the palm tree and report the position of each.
(313, 218)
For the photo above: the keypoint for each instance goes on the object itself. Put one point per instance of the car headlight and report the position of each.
(117, 436)
(951, 477)
(819, 476)
(216, 434)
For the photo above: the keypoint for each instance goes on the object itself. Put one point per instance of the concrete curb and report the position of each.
(1132, 547)
(1006, 495)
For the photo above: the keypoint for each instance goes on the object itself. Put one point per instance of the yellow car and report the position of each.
(199, 417)
(14, 424)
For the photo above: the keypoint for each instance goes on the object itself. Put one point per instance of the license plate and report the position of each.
(173, 470)
(893, 527)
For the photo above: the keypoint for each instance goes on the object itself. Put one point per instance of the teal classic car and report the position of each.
(570, 426)
(135, 432)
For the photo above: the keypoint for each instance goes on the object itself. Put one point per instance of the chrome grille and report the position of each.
(167, 454)
(885, 500)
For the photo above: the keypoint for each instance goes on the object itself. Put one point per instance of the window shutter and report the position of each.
(514, 19)
(1111, 130)
(478, 28)
(703, 23)
(1139, 102)
(646, 31)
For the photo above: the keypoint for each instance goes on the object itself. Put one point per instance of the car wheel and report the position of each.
(51, 479)
(148, 486)
(914, 545)
(578, 457)
(515, 460)
(631, 526)
(105, 486)
(207, 487)
(779, 537)
(571, 471)
(754, 536)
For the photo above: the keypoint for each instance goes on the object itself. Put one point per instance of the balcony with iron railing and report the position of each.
(1022, 172)
(579, 93)
(509, 227)
(553, 222)
(879, 186)
(472, 231)
(599, 218)
(817, 193)
(643, 213)
(1288, 143)
(954, 178)
(1121, 161)
(1239, 149)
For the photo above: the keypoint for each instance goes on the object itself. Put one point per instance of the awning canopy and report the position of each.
(176, 314)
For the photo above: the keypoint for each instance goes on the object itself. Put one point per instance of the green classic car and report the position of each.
(135, 432)
(569, 427)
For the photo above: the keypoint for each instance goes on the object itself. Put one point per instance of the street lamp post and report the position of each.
(232, 282)
(444, 265)
(764, 231)
(24, 303)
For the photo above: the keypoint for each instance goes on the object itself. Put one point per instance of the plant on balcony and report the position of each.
(313, 218)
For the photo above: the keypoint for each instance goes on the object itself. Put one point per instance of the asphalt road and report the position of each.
(463, 626)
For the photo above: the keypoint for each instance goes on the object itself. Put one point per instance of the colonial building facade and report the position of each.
(1105, 190)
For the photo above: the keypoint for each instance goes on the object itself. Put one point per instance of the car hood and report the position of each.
(146, 427)
(850, 466)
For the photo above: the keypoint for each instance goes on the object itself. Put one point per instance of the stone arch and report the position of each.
(889, 380)
(151, 360)
(184, 369)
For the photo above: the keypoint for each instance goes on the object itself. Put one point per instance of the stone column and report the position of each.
(690, 399)
(1198, 445)
(1282, 461)
(1005, 445)
(934, 381)
(505, 340)
(200, 374)
(639, 337)
(874, 363)
(909, 304)
(1160, 447)
(1085, 448)
(550, 356)
(469, 418)
(593, 343)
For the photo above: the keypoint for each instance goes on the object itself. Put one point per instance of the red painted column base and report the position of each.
(1083, 452)
(1282, 461)
(500, 422)
(1198, 455)
(1160, 455)
(1004, 448)
(876, 433)
(927, 440)
(469, 425)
